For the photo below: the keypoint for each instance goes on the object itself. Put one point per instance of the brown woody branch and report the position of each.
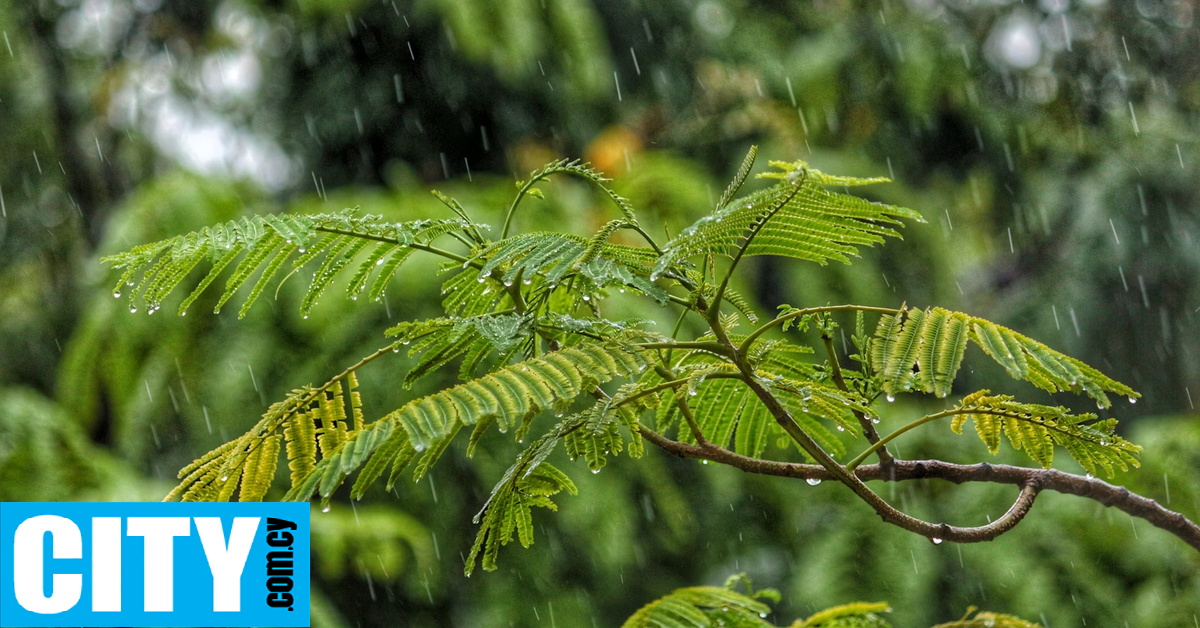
(1031, 482)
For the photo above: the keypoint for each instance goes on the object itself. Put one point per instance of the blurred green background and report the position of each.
(1052, 145)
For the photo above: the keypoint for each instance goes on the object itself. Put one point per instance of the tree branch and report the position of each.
(1034, 480)
(885, 456)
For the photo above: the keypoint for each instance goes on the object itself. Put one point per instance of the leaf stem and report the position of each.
(882, 442)
(779, 320)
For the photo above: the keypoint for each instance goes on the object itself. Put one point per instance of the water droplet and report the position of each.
(1090, 476)
(1133, 400)
(936, 541)
(117, 294)
(379, 262)
(875, 420)
(841, 428)
(703, 462)
(587, 298)
(224, 478)
(891, 398)
(133, 309)
(1103, 443)
(302, 249)
(482, 278)
(595, 471)
(813, 481)
(325, 508)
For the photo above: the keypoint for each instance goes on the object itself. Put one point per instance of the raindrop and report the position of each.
(595, 471)
(936, 541)
(1133, 400)
(813, 481)
(891, 398)
(117, 294)
(325, 508)
(841, 429)
(224, 478)
(133, 309)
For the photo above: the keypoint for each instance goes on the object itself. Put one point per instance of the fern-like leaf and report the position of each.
(1036, 429)
(153, 271)
(529, 482)
(853, 615)
(513, 393)
(988, 620)
(796, 218)
(934, 342)
(584, 171)
(704, 607)
(557, 257)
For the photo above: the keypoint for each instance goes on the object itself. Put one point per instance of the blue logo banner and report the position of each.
(154, 564)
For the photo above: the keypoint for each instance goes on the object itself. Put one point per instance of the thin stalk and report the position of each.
(714, 347)
(868, 427)
(765, 327)
(876, 446)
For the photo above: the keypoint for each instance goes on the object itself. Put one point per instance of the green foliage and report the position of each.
(525, 321)
(704, 607)
(42, 454)
(988, 620)
(934, 340)
(1035, 429)
(153, 271)
(796, 218)
(854, 615)
(711, 607)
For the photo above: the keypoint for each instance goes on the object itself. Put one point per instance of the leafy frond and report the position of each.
(739, 179)
(797, 218)
(558, 257)
(704, 607)
(727, 409)
(599, 435)
(988, 620)
(153, 271)
(440, 341)
(1035, 429)
(515, 392)
(529, 482)
(853, 615)
(584, 171)
(935, 339)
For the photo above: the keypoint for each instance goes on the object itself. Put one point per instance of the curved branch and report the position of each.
(1095, 489)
